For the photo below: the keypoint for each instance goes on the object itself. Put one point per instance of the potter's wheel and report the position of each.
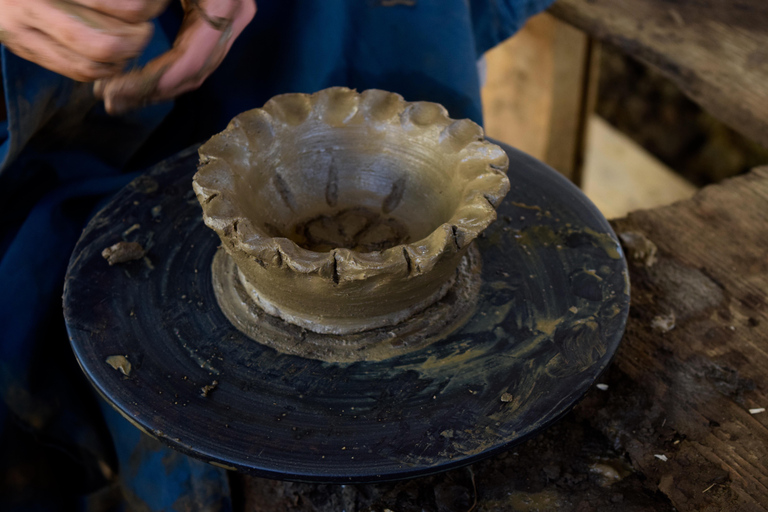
(551, 312)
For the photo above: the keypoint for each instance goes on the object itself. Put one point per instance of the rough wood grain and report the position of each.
(574, 90)
(686, 394)
(715, 50)
(517, 95)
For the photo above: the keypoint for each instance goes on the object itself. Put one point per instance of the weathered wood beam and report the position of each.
(716, 51)
(693, 365)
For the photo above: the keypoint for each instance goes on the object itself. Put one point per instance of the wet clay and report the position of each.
(357, 229)
(348, 211)
(423, 328)
(122, 252)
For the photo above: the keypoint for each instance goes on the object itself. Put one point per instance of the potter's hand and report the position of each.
(82, 39)
(206, 35)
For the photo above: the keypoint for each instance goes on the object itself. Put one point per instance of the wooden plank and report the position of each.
(590, 88)
(716, 51)
(540, 91)
(572, 62)
(517, 96)
(685, 394)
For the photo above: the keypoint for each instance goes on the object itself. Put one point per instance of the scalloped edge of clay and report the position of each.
(482, 165)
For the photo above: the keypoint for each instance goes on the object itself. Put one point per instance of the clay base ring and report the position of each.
(418, 331)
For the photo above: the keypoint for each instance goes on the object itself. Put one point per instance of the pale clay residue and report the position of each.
(131, 229)
(609, 471)
(606, 242)
(223, 466)
(534, 207)
(548, 326)
(549, 499)
(120, 363)
(663, 323)
(593, 273)
(205, 390)
(641, 249)
(457, 359)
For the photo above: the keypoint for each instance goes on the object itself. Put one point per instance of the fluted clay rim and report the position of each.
(482, 166)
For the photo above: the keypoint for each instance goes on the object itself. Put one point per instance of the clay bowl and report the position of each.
(348, 211)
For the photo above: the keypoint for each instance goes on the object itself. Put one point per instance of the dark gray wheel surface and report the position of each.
(552, 310)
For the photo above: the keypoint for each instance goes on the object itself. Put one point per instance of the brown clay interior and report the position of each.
(346, 189)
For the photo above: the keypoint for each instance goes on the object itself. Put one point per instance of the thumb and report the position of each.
(206, 35)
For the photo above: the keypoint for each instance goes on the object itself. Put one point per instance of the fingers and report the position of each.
(131, 90)
(203, 41)
(75, 40)
(131, 11)
(89, 33)
(37, 47)
(207, 33)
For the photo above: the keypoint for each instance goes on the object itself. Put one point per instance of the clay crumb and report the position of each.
(131, 229)
(602, 387)
(639, 248)
(208, 388)
(120, 363)
(122, 252)
(573, 309)
(506, 397)
(757, 410)
(661, 457)
(663, 323)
